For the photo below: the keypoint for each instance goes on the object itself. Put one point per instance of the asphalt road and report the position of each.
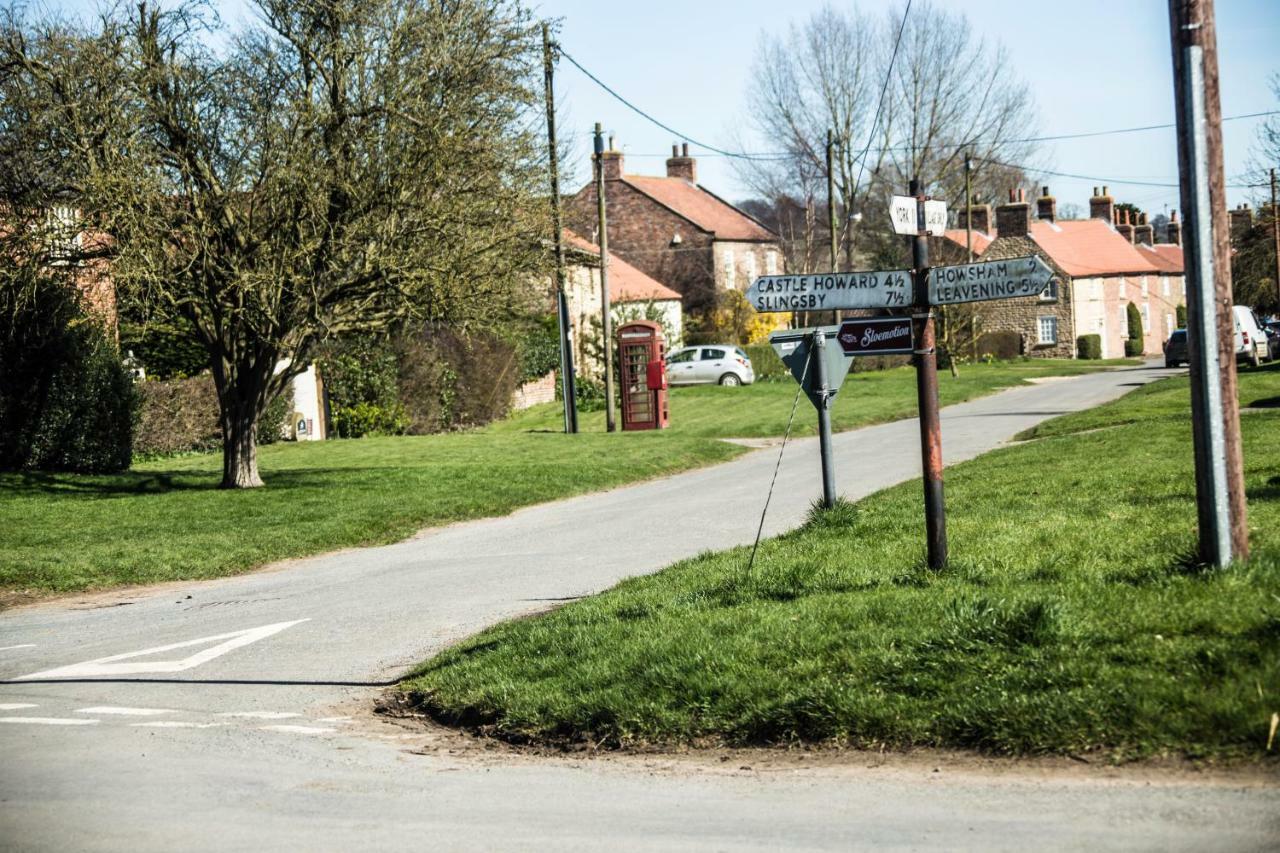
(231, 714)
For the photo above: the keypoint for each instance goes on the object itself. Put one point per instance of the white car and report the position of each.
(721, 364)
(1251, 338)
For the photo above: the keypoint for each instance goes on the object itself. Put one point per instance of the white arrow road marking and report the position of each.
(297, 730)
(16, 706)
(127, 712)
(48, 721)
(20, 646)
(107, 667)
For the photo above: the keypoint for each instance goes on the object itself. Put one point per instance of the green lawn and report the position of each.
(1072, 618)
(165, 520)
(866, 398)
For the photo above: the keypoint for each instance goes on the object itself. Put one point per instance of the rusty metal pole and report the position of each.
(1275, 237)
(926, 358)
(1215, 410)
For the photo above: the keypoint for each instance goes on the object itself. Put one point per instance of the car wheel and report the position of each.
(1170, 364)
(730, 379)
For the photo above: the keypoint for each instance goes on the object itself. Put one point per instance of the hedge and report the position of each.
(1089, 346)
(181, 416)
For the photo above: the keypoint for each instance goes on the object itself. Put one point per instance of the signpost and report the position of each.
(820, 367)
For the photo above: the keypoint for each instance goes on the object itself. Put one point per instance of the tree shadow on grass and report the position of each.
(163, 482)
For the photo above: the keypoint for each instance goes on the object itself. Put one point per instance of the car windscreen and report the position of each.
(1177, 337)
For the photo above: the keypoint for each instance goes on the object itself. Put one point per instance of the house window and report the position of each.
(1144, 287)
(1146, 318)
(1047, 326)
(730, 278)
(1050, 293)
(749, 267)
(1164, 285)
(771, 263)
(1168, 325)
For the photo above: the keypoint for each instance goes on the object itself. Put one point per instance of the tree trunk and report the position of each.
(240, 448)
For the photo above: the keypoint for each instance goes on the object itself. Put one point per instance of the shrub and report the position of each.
(766, 363)
(1132, 348)
(362, 383)
(448, 380)
(66, 399)
(1135, 329)
(539, 348)
(1182, 316)
(871, 363)
(1089, 346)
(181, 416)
(167, 349)
(1004, 345)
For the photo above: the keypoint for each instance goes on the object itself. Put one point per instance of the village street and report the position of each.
(235, 714)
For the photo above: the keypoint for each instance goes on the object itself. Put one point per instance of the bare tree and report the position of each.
(948, 93)
(344, 166)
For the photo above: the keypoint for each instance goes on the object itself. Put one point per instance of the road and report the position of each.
(232, 714)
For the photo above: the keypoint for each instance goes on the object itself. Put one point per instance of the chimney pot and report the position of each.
(684, 149)
(681, 165)
(1104, 190)
(675, 150)
(1013, 219)
(1047, 207)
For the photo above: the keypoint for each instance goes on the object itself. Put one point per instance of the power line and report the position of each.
(1095, 178)
(862, 158)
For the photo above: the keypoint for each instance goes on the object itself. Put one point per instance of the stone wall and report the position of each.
(1023, 315)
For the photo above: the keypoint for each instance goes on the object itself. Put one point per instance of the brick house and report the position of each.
(1102, 263)
(676, 231)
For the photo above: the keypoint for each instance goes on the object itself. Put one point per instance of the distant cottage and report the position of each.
(676, 231)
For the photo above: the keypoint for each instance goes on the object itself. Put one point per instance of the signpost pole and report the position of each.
(606, 310)
(935, 511)
(819, 361)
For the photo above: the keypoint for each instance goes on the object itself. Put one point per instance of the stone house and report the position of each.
(676, 231)
(1103, 263)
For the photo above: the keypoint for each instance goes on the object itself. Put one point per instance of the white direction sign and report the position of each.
(902, 213)
(1005, 279)
(935, 216)
(830, 291)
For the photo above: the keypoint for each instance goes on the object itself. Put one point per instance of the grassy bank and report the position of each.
(866, 398)
(1072, 618)
(167, 520)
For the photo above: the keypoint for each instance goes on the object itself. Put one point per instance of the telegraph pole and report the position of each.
(567, 383)
(1215, 413)
(831, 208)
(968, 207)
(1275, 236)
(926, 358)
(606, 318)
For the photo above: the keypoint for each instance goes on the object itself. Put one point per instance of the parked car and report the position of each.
(722, 364)
(1251, 340)
(1272, 328)
(1175, 349)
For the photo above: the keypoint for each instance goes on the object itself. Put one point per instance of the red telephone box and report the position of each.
(642, 358)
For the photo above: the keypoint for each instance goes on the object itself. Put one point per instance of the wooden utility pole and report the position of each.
(831, 209)
(606, 318)
(567, 382)
(1275, 237)
(968, 207)
(1215, 412)
(926, 358)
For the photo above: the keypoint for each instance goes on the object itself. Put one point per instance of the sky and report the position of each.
(1091, 65)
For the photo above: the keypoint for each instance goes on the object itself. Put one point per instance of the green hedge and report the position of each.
(181, 416)
(765, 362)
(1132, 348)
(1089, 346)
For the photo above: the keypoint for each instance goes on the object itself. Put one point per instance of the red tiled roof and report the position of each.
(626, 283)
(1167, 257)
(1088, 247)
(981, 239)
(701, 207)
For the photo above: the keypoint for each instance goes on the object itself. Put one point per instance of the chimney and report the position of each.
(611, 160)
(1241, 221)
(681, 165)
(1047, 206)
(981, 216)
(1143, 232)
(1102, 206)
(1173, 229)
(1014, 219)
(1123, 227)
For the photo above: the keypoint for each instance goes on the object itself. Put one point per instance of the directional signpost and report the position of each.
(820, 364)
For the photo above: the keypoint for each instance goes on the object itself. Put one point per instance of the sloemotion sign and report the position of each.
(876, 336)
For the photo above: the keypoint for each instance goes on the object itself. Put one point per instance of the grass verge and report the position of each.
(1072, 618)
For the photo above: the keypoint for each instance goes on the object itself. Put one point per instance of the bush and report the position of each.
(66, 400)
(181, 416)
(1003, 345)
(539, 349)
(1135, 327)
(1182, 316)
(1089, 346)
(167, 349)
(766, 363)
(448, 380)
(362, 383)
(872, 363)
(1132, 348)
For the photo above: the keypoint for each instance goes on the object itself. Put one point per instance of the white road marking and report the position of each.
(172, 724)
(261, 715)
(127, 712)
(108, 667)
(333, 719)
(48, 721)
(19, 646)
(297, 730)
(16, 706)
